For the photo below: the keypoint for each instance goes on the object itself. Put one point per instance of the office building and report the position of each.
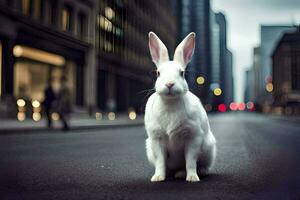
(249, 87)
(286, 74)
(224, 61)
(270, 35)
(100, 46)
(195, 16)
(42, 40)
(124, 61)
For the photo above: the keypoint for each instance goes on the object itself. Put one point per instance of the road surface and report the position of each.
(258, 158)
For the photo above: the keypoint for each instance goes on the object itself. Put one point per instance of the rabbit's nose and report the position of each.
(170, 85)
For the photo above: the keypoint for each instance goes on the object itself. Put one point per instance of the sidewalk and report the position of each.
(76, 123)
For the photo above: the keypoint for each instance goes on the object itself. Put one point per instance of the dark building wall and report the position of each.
(269, 35)
(106, 39)
(229, 86)
(249, 87)
(286, 73)
(224, 71)
(125, 57)
(195, 15)
(60, 27)
(256, 70)
(221, 73)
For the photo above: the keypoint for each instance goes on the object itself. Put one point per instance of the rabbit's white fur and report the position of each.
(179, 135)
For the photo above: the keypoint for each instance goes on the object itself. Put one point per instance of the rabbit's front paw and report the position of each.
(157, 178)
(192, 178)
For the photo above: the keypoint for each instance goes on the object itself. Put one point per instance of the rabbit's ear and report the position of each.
(185, 50)
(158, 50)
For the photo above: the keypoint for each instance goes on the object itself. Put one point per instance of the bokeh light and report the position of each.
(222, 107)
(36, 104)
(55, 116)
(21, 116)
(21, 102)
(233, 106)
(241, 106)
(250, 106)
(111, 116)
(268, 79)
(132, 115)
(98, 115)
(217, 91)
(269, 87)
(200, 80)
(208, 107)
(17, 51)
(36, 116)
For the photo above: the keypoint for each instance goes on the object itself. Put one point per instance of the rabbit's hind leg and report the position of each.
(206, 159)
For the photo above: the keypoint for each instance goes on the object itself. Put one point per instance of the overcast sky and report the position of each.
(244, 18)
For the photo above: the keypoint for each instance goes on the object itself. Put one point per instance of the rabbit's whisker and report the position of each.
(148, 90)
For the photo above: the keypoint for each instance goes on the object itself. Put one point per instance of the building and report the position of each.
(286, 73)
(210, 74)
(43, 39)
(224, 61)
(256, 68)
(249, 89)
(229, 83)
(124, 60)
(215, 72)
(195, 15)
(270, 35)
(100, 46)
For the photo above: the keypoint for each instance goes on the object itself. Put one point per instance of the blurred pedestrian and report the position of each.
(64, 103)
(50, 98)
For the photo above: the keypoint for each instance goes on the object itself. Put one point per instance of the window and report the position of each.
(37, 7)
(66, 19)
(26, 6)
(52, 14)
(110, 28)
(82, 26)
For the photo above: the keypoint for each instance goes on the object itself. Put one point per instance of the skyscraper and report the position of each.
(195, 15)
(212, 61)
(221, 71)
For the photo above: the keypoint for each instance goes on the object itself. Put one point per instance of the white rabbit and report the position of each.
(179, 135)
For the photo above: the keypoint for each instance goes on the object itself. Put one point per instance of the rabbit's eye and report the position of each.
(181, 73)
(157, 74)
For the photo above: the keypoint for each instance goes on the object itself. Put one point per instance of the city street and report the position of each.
(258, 158)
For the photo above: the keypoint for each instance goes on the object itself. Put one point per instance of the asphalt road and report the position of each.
(258, 158)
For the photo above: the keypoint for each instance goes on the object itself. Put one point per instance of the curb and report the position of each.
(26, 130)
